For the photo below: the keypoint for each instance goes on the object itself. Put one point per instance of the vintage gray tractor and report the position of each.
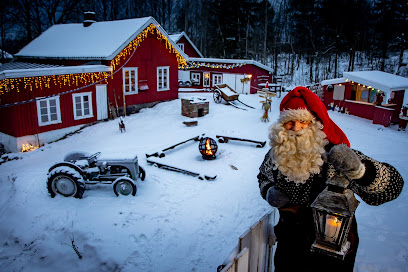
(79, 169)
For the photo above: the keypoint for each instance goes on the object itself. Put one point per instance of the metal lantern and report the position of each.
(333, 212)
(208, 147)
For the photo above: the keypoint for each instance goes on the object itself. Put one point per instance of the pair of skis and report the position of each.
(161, 154)
(179, 170)
(238, 107)
(225, 139)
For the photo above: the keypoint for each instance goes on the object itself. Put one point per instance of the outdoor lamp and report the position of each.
(333, 212)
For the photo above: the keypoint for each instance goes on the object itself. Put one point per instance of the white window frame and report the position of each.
(206, 80)
(196, 76)
(163, 84)
(127, 81)
(48, 110)
(215, 78)
(181, 45)
(83, 115)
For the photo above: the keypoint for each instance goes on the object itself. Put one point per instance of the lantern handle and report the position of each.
(338, 183)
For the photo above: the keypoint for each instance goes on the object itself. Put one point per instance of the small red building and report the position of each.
(244, 76)
(76, 74)
(373, 95)
(186, 45)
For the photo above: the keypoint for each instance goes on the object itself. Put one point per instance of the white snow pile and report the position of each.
(176, 222)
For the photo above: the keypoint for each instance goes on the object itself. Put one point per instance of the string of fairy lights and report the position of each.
(143, 35)
(193, 65)
(73, 80)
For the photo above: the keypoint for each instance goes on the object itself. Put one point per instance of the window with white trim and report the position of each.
(82, 105)
(130, 83)
(181, 45)
(195, 77)
(217, 79)
(48, 110)
(163, 81)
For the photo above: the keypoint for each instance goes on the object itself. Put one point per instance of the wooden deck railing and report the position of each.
(255, 249)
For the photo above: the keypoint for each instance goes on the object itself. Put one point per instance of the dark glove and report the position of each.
(276, 198)
(346, 161)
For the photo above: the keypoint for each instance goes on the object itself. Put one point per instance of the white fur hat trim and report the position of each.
(292, 115)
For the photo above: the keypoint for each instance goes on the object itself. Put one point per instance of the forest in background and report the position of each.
(320, 35)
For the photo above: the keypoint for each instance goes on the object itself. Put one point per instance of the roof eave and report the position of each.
(18, 73)
(253, 62)
(26, 57)
(375, 85)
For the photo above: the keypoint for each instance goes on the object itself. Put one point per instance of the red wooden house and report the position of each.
(244, 76)
(76, 74)
(359, 92)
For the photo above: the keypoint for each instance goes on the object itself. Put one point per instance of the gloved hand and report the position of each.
(346, 161)
(276, 198)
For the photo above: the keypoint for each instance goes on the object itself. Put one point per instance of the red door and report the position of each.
(398, 100)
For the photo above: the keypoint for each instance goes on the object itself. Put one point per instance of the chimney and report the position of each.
(89, 18)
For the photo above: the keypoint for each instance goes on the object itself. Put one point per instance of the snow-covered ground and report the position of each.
(176, 222)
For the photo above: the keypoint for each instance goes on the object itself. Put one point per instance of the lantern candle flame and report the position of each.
(332, 228)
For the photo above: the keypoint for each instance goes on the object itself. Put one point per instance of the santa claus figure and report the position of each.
(307, 149)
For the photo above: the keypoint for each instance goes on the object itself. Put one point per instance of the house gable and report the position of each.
(189, 47)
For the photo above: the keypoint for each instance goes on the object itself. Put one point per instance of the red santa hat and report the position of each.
(302, 104)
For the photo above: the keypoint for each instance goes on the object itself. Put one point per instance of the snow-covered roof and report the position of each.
(222, 61)
(378, 80)
(53, 70)
(176, 37)
(99, 41)
(333, 81)
(25, 65)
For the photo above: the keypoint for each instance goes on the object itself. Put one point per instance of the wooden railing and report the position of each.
(255, 249)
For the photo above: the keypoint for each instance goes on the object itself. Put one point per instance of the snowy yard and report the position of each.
(176, 222)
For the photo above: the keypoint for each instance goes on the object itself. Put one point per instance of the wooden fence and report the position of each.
(255, 249)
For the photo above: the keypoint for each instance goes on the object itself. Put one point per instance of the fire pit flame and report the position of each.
(208, 150)
(208, 147)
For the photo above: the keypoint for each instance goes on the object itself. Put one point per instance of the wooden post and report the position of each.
(124, 103)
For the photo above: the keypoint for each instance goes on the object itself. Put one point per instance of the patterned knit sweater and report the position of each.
(381, 182)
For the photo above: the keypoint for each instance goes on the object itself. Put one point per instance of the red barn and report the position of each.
(205, 73)
(76, 74)
(374, 95)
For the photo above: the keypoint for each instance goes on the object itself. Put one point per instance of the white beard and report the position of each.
(297, 155)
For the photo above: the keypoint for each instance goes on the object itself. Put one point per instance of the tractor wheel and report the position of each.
(142, 173)
(124, 186)
(217, 96)
(65, 181)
